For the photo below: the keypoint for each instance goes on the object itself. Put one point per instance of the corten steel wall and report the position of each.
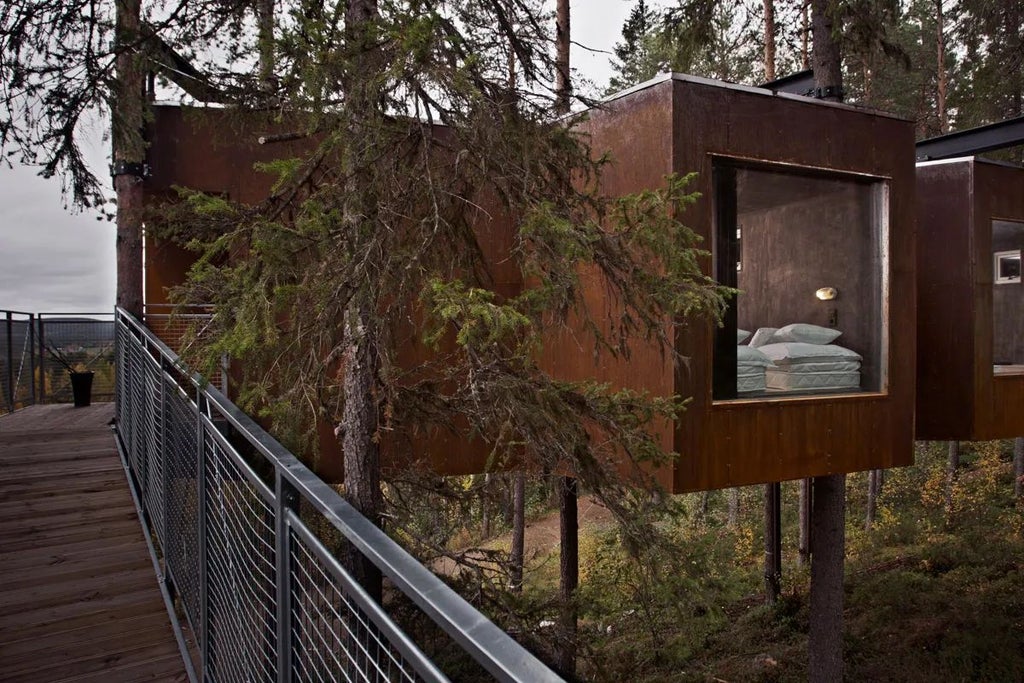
(681, 124)
(958, 395)
(215, 151)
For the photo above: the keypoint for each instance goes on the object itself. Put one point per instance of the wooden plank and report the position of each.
(80, 600)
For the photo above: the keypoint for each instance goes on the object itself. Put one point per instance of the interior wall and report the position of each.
(1007, 300)
(812, 233)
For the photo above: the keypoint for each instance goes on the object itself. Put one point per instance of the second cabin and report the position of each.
(807, 209)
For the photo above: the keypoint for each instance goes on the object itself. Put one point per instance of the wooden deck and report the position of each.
(79, 599)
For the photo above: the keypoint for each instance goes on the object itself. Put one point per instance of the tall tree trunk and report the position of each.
(828, 537)
(941, 77)
(360, 417)
(563, 82)
(825, 58)
(128, 155)
(359, 440)
(1018, 467)
(952, 465)
(569, 566)
(769, 40)
(804, 515)
(772, 542)
(734, 507)
(828, 517)
(517, 552)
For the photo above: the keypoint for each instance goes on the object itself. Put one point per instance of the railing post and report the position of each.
(285, 499)
(10, 364)
(204, 608)
(32, 355)
(42, 361)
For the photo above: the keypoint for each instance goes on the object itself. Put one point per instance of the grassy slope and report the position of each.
(929, 597)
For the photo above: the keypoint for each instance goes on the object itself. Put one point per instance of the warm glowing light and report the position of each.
(827, 293)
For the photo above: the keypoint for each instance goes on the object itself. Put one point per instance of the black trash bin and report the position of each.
(81, 388)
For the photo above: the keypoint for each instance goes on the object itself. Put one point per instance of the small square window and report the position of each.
(1007, 267)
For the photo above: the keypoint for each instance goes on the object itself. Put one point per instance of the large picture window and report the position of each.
(1007, 298)
(807, 252)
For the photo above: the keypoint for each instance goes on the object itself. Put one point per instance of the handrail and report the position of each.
(492, 648)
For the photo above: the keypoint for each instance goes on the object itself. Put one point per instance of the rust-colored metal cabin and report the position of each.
(798, 198)
(970, 318)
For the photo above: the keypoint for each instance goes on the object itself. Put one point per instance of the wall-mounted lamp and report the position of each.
(827, 293)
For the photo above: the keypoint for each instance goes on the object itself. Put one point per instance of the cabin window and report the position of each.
(1007, 297)
(811, 314)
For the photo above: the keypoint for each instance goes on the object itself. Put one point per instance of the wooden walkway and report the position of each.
(79, 599)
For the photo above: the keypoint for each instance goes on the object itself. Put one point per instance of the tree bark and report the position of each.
(563, 82)
(359, 441)
(516, 555)
(805, 33)
(734, 508)
(825, 58)
(826, 612)
(804, 514)
(128, 155)
(1018, 467)
(952, 465)
(772, 542)
(265, 20)
(769, 40)
(941, 77)
(872, 505)
(569, 566)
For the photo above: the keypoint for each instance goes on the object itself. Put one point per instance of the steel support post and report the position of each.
(204, 607)
(285, 499)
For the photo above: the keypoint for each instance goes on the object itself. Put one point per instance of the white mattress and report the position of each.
(812, 381)
(753, 382)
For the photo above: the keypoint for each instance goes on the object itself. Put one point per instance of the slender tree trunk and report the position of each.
(569, 572)
(941, 77)
(563, 82)
(826, 613)
(485, 508)
(516, 555)
(772, 542)
(872, 506)
(265, 20)
(805, 34)
(129, 154)
(359, 440)
(952, 465)
(769, 40)
(734, 507)
(804, 515)
(1018, 467)
(703, 504)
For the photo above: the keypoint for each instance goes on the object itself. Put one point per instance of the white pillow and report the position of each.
(748, 355)
(764, 335)
(741, 335)
(806, 333)
(792, 353)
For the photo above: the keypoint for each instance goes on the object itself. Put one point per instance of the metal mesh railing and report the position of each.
(265, 597)
(17, 360)
(86, 341)
(32, 347)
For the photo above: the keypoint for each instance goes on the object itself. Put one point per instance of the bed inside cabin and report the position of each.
(806, 250)
(1007, 298)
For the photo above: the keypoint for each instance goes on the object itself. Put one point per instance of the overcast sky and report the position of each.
(54, 261)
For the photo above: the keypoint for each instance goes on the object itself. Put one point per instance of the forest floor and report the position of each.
(933, 592)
